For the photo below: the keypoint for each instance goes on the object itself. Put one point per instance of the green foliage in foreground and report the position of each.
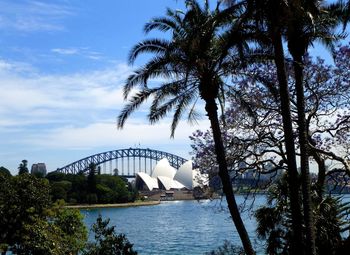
(227, 249)
(107, 242)
(274, 222)
(31, 224)
(79, 188)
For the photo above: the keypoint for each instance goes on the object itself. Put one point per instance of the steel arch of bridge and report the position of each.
(82, 165)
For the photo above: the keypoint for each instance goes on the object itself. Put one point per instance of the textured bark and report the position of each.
(304, 157)
(321, 177)
(211, 108)
(293, 183)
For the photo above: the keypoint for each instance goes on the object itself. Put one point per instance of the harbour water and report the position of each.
(177, 227)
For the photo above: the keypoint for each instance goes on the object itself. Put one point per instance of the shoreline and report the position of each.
(95, 206)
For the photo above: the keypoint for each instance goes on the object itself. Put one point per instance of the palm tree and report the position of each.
(193, 62)
(299, 22)
(274, 221)
(298, 45)
(269, 19)
(308, 21)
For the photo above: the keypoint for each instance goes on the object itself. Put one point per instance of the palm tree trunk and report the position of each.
(304, 156)
(297, 240)
(321, 177)
(211, 108)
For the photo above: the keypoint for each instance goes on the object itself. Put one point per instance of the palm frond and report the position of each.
(179, 99)
(244, 103)
(193, 115)
(155, 46)
(341, 11)
(162, 24)
(166, 90)
(133, 104)
(179, 109)
(270, 85)
(158, 112)
(193, 52)
(156, 67)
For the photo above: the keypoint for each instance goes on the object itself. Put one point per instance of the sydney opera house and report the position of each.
(165, 177)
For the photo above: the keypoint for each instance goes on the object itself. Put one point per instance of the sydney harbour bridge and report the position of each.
(123, 162)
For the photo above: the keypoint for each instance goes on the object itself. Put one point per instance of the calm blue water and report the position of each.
(177, 227)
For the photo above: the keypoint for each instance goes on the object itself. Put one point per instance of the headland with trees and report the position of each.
(33, 221)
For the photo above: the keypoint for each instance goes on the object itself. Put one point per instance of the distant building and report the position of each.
(39, 168)
(165, 177)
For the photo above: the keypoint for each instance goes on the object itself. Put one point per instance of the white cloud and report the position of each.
(79, 51)
(106, 134)
(42, 114)
(67, 51)
(31, 99)
(32, 16)
(78, 102)
(7, 67)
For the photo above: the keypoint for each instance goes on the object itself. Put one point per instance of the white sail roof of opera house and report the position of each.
(167, 177)
(150, 182)
(163, 168)
(170, 183)
(190, 177)
(184, 174)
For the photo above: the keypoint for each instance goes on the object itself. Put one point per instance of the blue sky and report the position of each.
(62, 66)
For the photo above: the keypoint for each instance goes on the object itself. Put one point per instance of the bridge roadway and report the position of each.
(123, 162)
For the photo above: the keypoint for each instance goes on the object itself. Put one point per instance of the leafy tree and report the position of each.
(55, 176)
(5, 171)
(31, 225)
(105, 194)
(269, 16)
(22, 198)
(274, 223)
(71, 225)
(6, 235)
(59, 190)
(91, 179)
(38, 174)
(91, 198)
(117, 185)
(63, 232)
(194, 63)
(259, 141)
(79, 189)
(76, 188)
(23, 168)
(300, 23)
(307, 22)
(107, 242)
(227, 249)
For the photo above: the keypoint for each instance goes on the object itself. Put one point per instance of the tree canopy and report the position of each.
(30, 224)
